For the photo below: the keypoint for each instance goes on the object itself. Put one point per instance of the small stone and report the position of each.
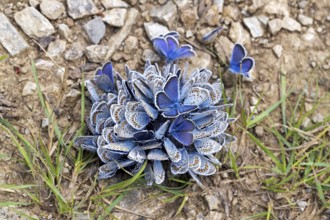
(306, 123)
(263, 19)
(75, 52)
(312, 38)
(201, 60)
(212, 16)
(34, 3)
(56, 48)
(44, 122)
(81, 8)
(328, 18)
(305, 20)
(115, 17)
(200, 216)
(166, 13)
(231, 12)
(254, 100)
(302, 205)
(219, 4)
(60, 73)
(255, 27)
(326, 66)
(96, 53)
(29, 88)
(65, 31)
(214, 215)
(237, 33)
(42, 64)
(317, 118)
(313, 64)
(52, 9)
(213, 202)
(114, 4)
(303, 3)
(183, 4)
(189, 18)
(72, 96)
(10, 38)
(223, 47)
(161, 2)
(95, 30)
(149, 54)
(291, 24)
(277, 7)
(278, 49)
(189, 34)
(131, 44)
(275, 26)
(155, 29)
(259, 130)
(34, 24)
(308, 107)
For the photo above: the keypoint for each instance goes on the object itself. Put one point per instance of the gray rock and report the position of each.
(115, 17)
(165, 13)
(72, 96)
(237, 33)
(33, 23)
(29, 88)
(263, 19)
(96, 53)
(303, 3)
(200, 216)
(42, 64)
(116, 40)
(183, 4)
(232, 12)
(214, 215)
(44, 122)
(255, 27)
(34, 3)
(131, 44)
(114, 4)
(219, 4)
(81, 8)
(65, 31)
(275, 25)
(149, 54)
(305, 20)
(155, 29)
(212, 16)
(189, 18)
(10, 38)
(278, 49)
(291, 24)
(259, 131)
(52, 9)
(213, 202)
(277, 7)
(95, 30)
(56, 48)
(223, 47)
(74, 52)
(317, 118)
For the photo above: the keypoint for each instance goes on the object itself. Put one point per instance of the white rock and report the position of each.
(155, 29)
(213, 202)
(75, 51)
(255, 27)
(214, 215)
(219, 4)
(237, 33)
(291, 24)
(114, 4)
(278, 49)
(131, 44)
(56, 48)
(44, 122)
(65, 31)
(165, 13)
(34, 3)
(33, 23)
(318, 118)
(223, 46)
(312, 38)
(81, 8)
(304, 20)
(115, 17)
(149, 54)
(42, 64)
(29, 88)
(183, 4)
(10, 38)
(277, 7)
(96, 53)
(52, 9)
(116, 40)
(302, 205)
(263, 19)
(275, 25)
(95, 30)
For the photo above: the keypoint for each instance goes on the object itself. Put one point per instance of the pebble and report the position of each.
(201, 60)
(56, 48)
(237, 33)
(302, 205)
(312, 38)
(33, 23)
(219, 4)
(29, 88)
(277, 7)
(115, 17)
(275, 25)
(95, 30)
(165, 13)
(255, 27)
(263, 19)
(116, 40)
(72, 96)
(189, 18)
(96, 53)
(253, 100)
(259, 130)
(212, 16)
(303, 3)
(65, 31)
(155, 29)
(305, 20)
(74, 52)
(44, 122)
(131, 44)
(291, 24)
(10, 38)
(34, 3)
(278, 49)
(213, 202)
(223, 47)
(214, 215)
(200, 216)
(81, 8)
(42, 64)
(231, 12)
(150, 55)
(317, 118)
(52, 9)
(114, 4)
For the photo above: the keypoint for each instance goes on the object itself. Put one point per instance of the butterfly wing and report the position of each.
(247, 66)
(239, 52)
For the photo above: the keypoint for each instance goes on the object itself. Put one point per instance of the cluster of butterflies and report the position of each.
(165, 117)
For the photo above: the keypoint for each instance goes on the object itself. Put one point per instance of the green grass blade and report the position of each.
(4, 204)
(114, 203)
(184, 200)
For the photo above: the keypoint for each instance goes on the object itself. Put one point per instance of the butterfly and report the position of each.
(168, 47)
(104, 78)
(208, 37)
(168, 100)
(239, 62)
(180, 129)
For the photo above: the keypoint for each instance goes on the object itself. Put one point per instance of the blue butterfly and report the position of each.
(168, 100)
(211, 35)
(104, 78)
(168, 47)
(239, 62)
(181, 129)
